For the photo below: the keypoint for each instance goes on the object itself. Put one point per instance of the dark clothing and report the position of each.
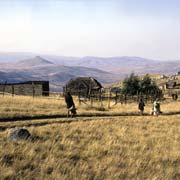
(70, 104)
(174, 97)
(69, 100)
(141, 106)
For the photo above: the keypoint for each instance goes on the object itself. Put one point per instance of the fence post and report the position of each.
(125, 99)
(12, 90)
(33, 90)
(4, 88)
(91, 100)
(121, 98)
(101, 98)
(79, 97)
(116, 98)
(109, 99)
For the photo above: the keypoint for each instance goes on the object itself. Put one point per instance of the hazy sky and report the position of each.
(146, 28)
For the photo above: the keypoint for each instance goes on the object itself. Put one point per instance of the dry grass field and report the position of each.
(87, 148)
(21, 107)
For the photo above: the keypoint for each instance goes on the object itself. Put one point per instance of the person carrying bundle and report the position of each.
(156, 108)
(70, 104)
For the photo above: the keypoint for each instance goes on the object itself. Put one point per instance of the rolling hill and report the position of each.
(38, 68)
(122, 66)
(33, 62)
(59, 69)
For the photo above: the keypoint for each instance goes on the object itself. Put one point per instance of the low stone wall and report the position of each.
(24, 89)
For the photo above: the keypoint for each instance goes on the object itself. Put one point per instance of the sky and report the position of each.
(145, 28)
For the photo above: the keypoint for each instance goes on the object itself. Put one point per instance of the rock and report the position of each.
(19, 134)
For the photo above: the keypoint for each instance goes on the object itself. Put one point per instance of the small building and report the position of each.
(173, 85)
(83, 86)
(170, 84)
(28, 88)
(170, 87)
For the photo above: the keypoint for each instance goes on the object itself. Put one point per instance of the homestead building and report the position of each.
(85, 86)
(28, 88)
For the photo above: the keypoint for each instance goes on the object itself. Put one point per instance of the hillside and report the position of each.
(121, 65)
(38, 68)
(59, 69)
(33, 62)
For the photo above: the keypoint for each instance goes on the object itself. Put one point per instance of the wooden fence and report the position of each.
(111, 98)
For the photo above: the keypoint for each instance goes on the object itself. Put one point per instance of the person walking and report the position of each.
(141, 106)
(70, 104)
(156, 107)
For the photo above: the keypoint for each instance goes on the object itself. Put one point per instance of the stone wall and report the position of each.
(29, 89)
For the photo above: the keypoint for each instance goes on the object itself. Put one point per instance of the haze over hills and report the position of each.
(119, 65)
(59, 69)
(38, 68)
(124, 65)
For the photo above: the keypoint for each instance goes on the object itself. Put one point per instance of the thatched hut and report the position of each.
(84, 86)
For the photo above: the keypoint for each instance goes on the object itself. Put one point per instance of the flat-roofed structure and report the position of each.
(28, 88)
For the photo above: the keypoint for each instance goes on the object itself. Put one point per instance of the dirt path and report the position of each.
(42, 122)
(35, 121)
(26, 118)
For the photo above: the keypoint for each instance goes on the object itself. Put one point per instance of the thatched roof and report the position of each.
(83, 85)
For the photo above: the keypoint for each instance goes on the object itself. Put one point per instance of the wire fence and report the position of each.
(107, 97)
(112, 98)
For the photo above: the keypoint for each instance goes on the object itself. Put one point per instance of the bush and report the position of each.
(132, 85)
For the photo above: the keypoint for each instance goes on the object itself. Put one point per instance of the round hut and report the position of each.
(84, 86)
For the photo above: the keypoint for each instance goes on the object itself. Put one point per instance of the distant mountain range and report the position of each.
(38, 68)
(15, 67)
(122, 66)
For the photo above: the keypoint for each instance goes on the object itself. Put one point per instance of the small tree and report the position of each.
(131, 85)
(147, 86)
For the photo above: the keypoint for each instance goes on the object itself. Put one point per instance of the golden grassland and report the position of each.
(22, 106)
(139, 147)
(121, 147)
